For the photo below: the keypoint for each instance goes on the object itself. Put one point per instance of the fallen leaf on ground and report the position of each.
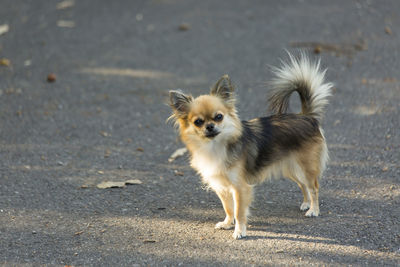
(4, 28)
(65, 4)
(110, 184)
(105, 134)
(51, 77)
(366, 110)
(139, 17)
(184, 27)
(178, 173)
(140, 149)
(4, 62)
(178, 153)
(317, 49)
(65, 24)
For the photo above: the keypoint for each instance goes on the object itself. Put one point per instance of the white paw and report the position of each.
(312, 213)
(224, 225)
(240, 232)
(305, 206)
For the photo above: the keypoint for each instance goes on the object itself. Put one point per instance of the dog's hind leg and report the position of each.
(310, 162)
(295, 173)
(313, 188)
(306, 198)
(309, 181)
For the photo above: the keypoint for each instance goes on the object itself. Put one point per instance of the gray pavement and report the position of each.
(103, 119)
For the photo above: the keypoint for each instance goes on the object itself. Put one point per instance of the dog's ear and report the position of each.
(224, 89)
(179, 102)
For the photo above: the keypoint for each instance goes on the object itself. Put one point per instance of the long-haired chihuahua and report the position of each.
(232, 155)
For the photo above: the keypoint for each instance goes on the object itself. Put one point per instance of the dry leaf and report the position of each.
(184, 27)
(65, 4)
(178, 153)
(4, 28)
(178, 173)
(65, 23)
(51, 77)
(105, 134)
(135, 181)
(317, 49)
(139, 17)
(4, 62)
(110, 184)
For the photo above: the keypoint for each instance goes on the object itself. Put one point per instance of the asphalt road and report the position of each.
(103, 119)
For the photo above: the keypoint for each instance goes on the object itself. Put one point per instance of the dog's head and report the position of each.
(209, 117)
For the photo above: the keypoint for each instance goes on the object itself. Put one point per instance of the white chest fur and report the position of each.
(210, 161)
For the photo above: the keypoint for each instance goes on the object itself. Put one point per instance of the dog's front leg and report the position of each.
(242, 196)
(227, 202)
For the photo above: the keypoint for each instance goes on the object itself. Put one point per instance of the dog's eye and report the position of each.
(198, 122)
(218, 117)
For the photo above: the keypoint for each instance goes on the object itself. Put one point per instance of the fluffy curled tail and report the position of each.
(305, 77)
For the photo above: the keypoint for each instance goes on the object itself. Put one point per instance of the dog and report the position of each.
(233, 155)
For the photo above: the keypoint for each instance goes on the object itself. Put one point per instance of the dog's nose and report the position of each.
(210, 127)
